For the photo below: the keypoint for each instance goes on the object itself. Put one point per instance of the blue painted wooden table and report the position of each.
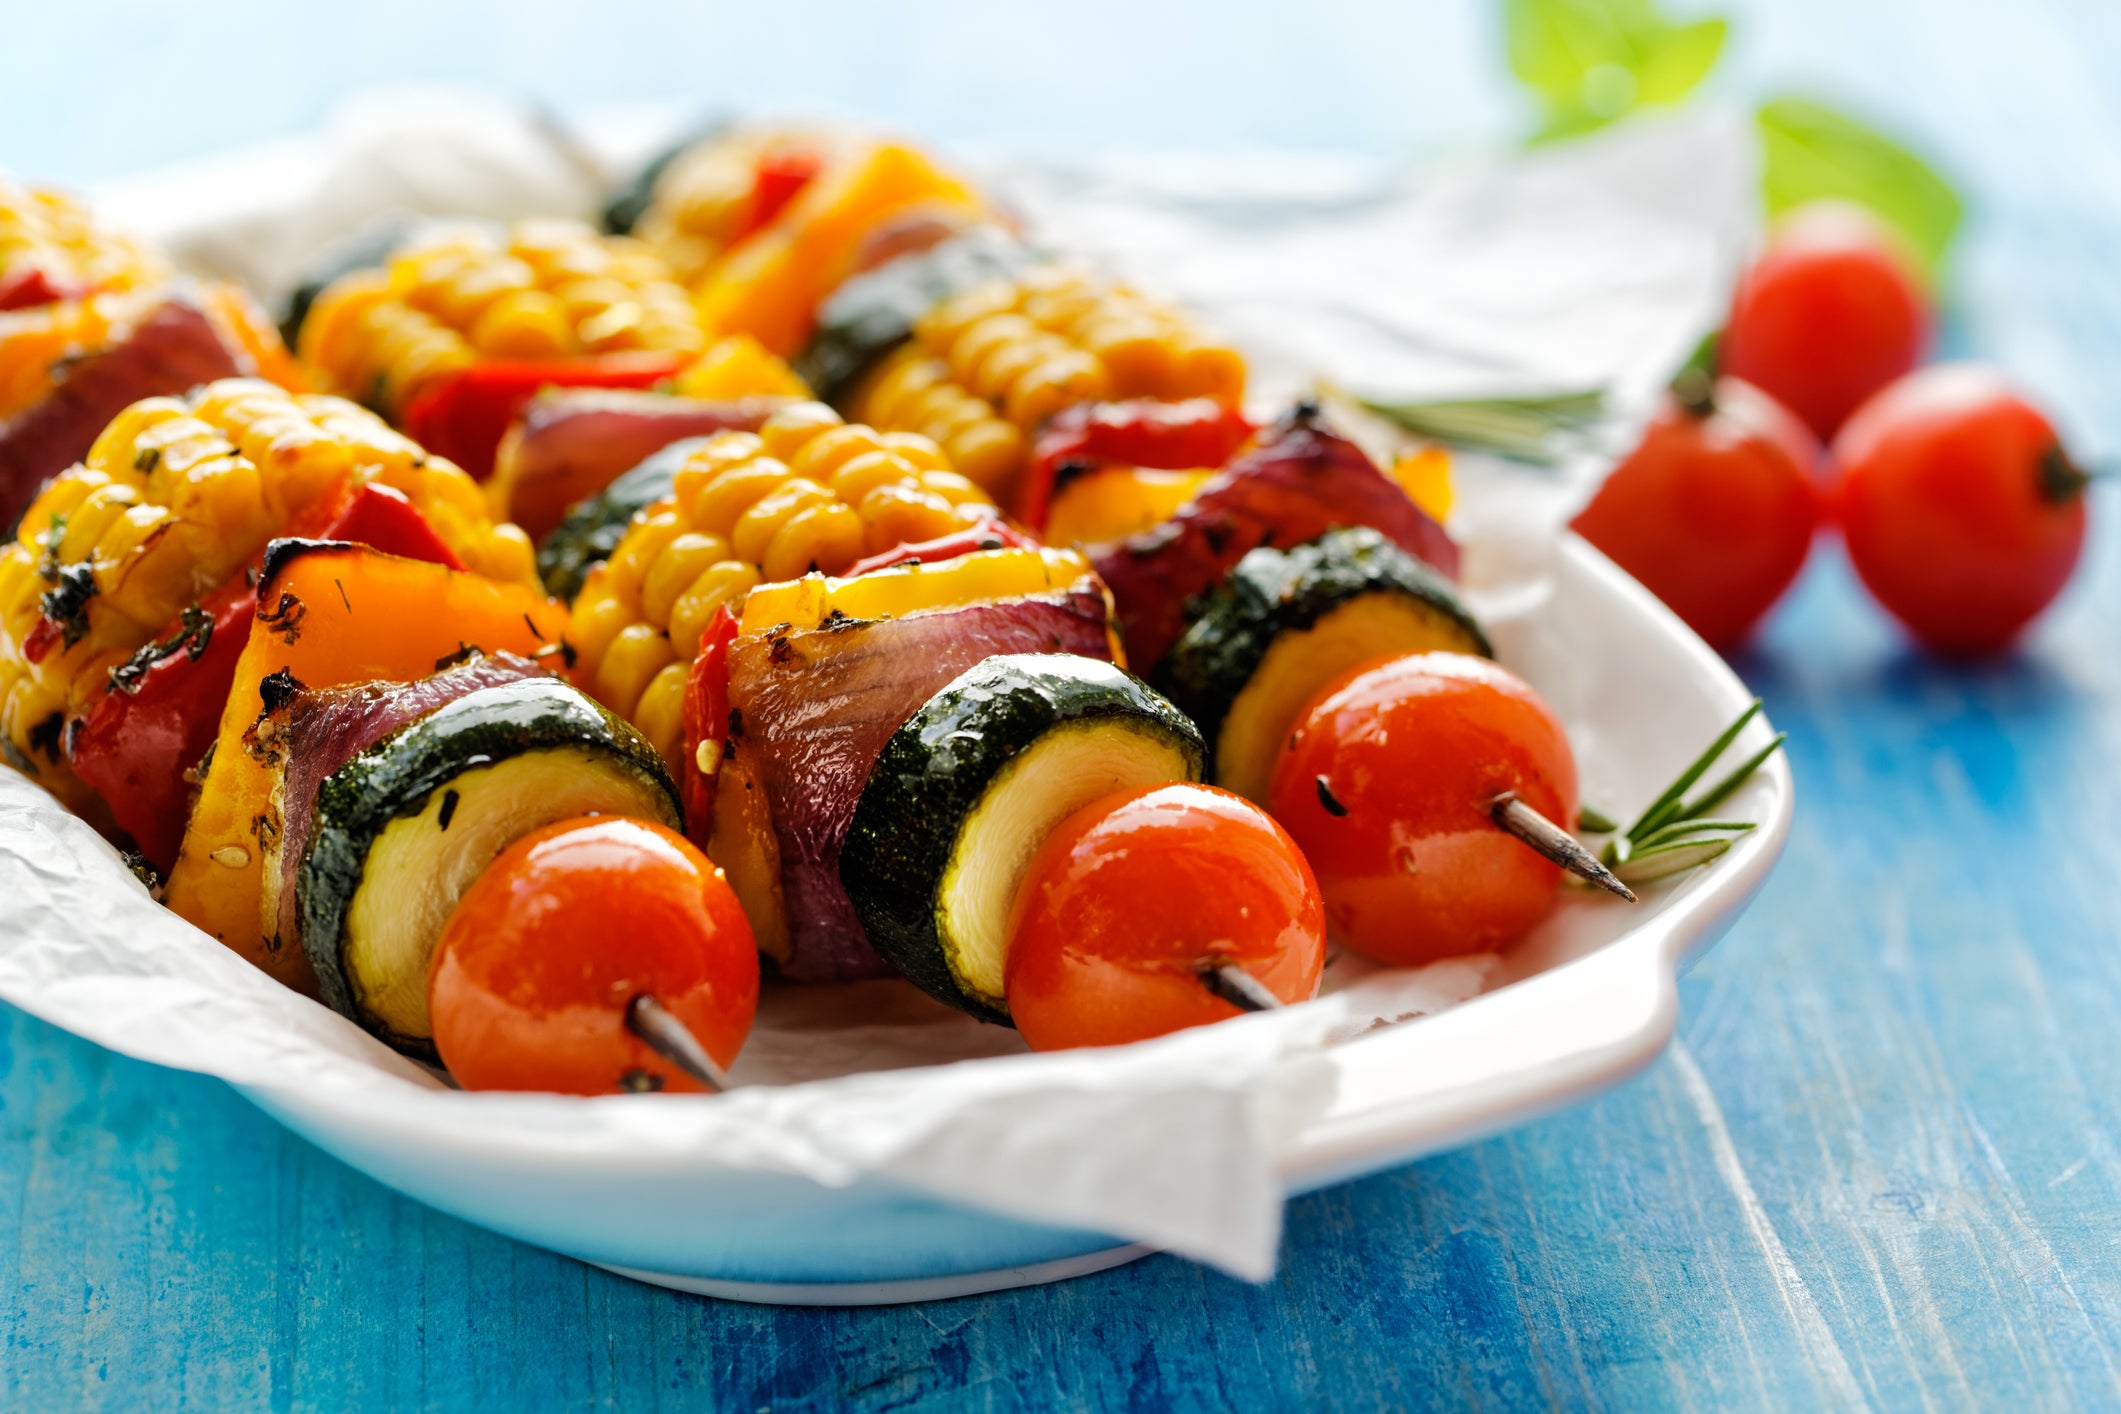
(1879, 1166)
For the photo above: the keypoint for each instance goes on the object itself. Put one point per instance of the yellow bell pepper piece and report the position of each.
(739, 366)
(907, 589)
(1425, 475)
(1114, 502)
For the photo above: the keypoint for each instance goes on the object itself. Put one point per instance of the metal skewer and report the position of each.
(671, 1039)
(1515, 817)
(1238, 987)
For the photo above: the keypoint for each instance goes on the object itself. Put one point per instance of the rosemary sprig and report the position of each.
(1677, 833)
(1526, 429)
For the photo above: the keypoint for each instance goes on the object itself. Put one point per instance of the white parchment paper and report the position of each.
(1594, 264)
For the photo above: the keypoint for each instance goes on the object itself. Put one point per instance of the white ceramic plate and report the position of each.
(1586, 1001)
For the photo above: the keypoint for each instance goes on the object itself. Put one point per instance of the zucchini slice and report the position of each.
(631, 201)
(368, 246)
(400, 832)
(596, 524)
(873, 313)
(1284, 623)
(964, 794)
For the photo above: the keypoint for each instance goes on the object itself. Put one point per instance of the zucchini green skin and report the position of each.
(395, 778)
(596, 524)
(931, 774)
(631, 201)
(875, 312)
(1271, 592)
(370, 246)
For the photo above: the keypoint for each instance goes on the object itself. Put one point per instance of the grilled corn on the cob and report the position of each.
(177, 495)
(805, 492)
(543, 290)
(985, 367)
(51, 232)
(39, 343)
(710, 194)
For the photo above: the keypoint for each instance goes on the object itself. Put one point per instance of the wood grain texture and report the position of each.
(1878, 1168)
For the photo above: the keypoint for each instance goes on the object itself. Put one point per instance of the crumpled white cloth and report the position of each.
(1598, 262)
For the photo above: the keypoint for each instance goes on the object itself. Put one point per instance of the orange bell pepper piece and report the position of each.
(769, 285)
(328, 614)
(164, 707)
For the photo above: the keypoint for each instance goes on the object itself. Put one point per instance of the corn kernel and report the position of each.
(524, 324)
(826, 535)
(726, 582)
(682, 561)
(635, 656)
(660, 715)
(791, 428)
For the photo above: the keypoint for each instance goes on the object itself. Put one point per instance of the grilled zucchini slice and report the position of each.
(596, 524)
(964, 794)
(1284, 623)
(873, 313)
(401, 831)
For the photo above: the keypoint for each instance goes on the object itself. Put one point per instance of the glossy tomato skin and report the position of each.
(1715, 510)
(544, 952)
(1130, 894)
(1960, 510)
(1830, 313)
(1386, 785)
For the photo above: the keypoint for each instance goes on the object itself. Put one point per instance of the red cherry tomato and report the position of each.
(1386, 785)
(546, 950)
(1714, 511)
(1131, 895)
(1961, 510)
(1830, 313)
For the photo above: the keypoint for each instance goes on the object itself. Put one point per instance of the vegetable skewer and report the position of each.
(594, 955)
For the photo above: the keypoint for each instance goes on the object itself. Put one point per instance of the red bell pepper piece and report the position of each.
(464, 416)
(988, 534)
(33, 285)
(382, 519)
(164, 706)
(1199, 432)
(706, 719)
(779, 178)
(43, 637)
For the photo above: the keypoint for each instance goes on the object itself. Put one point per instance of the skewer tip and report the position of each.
(673, 1040)
(1238, 987)
(1514, 817)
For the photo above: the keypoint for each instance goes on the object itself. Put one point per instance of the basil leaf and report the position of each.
(1591, 61)
(1811, 152)
(1680, 60)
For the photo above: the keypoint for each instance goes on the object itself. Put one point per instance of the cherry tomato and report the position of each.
(1961, 510)
(546, 950)
(1830, 313)
(1131, 895)
(1386, 785)
(1714, 511)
